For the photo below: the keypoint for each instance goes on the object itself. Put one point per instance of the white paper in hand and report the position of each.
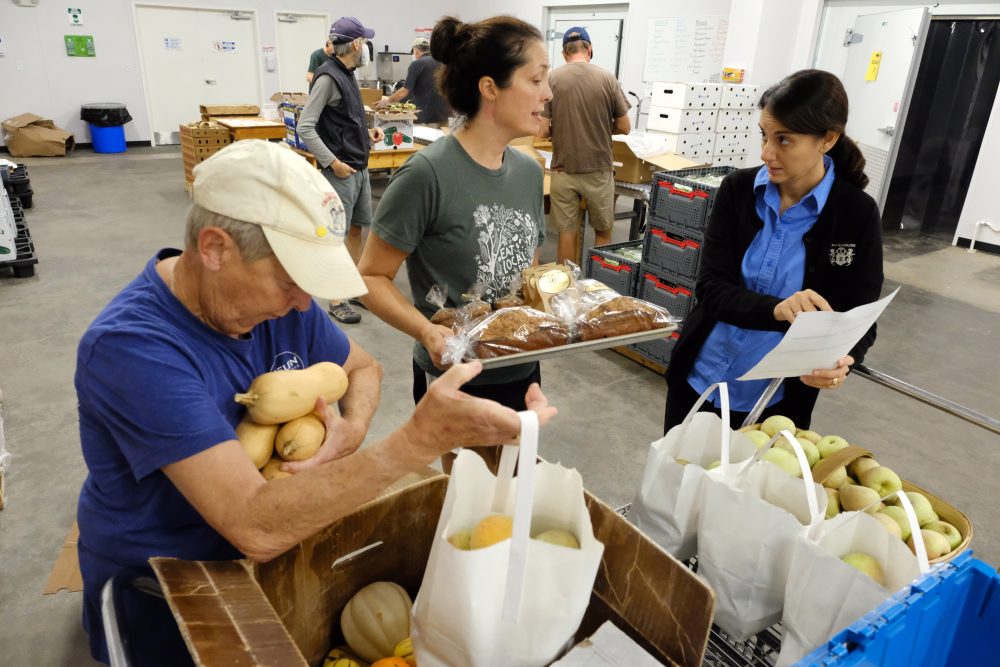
(817, 340)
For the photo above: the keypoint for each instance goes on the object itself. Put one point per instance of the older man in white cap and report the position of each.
(158, 368)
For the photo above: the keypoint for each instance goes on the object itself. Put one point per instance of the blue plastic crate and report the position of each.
(617, 272)
(947, 618)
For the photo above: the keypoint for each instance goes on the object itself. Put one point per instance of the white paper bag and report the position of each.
(668, 501)
(824, 594)
(520, 601)
(745, 535)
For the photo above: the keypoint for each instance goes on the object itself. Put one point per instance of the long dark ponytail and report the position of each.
(814, 102)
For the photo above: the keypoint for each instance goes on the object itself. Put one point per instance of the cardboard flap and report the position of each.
(223, 615)
(670, 162)
(291, 98)
(65, 573)
(843, 457)
(17, 122)
(388, 117)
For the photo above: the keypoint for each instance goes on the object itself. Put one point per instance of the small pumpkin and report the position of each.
(391, 662)
(376, 619)
(404, 649)
(340, 657)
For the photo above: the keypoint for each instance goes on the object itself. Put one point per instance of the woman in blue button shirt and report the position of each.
(796, 234)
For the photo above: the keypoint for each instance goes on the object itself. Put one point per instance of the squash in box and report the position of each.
(300, 438)
(376, 619)
(257, 440)
(281, 396)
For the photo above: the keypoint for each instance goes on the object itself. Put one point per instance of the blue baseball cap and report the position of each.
(575, 34)
(348, 29)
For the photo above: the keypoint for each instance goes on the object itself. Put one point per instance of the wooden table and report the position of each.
(252, 127)
(376, 159)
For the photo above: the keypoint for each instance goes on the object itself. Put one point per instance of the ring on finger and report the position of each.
(836, 381)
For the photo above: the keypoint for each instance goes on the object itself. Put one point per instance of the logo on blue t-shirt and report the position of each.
(287, 361)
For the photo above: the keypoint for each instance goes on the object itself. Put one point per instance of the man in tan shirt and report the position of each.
(587, 107)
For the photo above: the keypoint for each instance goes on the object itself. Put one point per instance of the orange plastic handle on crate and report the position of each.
(614, 267)
(673, 290)
(683, 244)
(684, 193)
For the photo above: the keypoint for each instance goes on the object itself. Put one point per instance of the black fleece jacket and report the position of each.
(843, 265)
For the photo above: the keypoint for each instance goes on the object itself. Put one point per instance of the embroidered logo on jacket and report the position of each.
(842, 254)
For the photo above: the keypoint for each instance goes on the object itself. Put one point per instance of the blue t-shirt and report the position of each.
(155, 385)
(774, 264)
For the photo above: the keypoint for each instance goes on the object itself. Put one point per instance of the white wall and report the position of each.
(831, 55)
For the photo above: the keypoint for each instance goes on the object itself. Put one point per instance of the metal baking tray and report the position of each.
(573, 348)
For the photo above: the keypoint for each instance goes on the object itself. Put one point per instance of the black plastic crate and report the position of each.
(659, 289)
(658, 350)
(680, 204)
(27, 198)
(24, 265)
(617, 272)
(680, 177)
(673, 253)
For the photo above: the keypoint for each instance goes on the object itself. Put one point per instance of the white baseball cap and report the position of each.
(302, 217)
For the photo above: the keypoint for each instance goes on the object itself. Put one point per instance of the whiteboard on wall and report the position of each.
(685, 48)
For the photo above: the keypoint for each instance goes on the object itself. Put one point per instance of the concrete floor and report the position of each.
(98, 219)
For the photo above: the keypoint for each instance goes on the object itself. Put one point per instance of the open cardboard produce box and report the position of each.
(287, 612)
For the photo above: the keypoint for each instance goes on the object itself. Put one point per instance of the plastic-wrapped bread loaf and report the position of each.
(458, 317)
(513, 330)
(619, 316)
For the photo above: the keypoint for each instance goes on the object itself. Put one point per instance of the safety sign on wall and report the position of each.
(75, 15)
(172, 43)
(224, 47)
(80, 46)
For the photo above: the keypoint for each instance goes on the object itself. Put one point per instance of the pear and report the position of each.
(559, 537)
(897, 514)
(830, 444)
(713, 465)
(937, 545)
(758, 438)
(836, 479)
(889, 523)
(856, 468)
(883, 480)
(781, 458)
(832, 503)
(811, 436)
(681, 462)
(949, 531)
(808, 448)
(776, 423)
(854, 498)
(867, 565)
(460, 540)
(922, 507)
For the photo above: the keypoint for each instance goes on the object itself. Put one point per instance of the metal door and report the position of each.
(605, 33)
(298, 35)
(879, 76)
(193, 56)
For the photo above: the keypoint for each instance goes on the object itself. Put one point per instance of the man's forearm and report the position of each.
(364, 391)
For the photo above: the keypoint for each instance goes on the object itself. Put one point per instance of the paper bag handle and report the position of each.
(918, 539)
(726, 431)
(807, 479)
(526, 455)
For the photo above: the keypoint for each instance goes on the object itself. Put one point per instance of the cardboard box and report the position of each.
(686, 121)
(398, 128)
(735, 120)
(371, 96)
(199, 141)
(739, 96)
(287, 611)
(65, 575)
(533, 153)
(29, 135)
(738, 161)
(698, 146)
(687, 95)
(732, 143)
(629, 168)
(210, 110)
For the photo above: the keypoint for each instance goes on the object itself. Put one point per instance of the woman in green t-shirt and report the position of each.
(467, 208)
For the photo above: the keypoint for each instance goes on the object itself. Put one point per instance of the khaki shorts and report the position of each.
(597, 188)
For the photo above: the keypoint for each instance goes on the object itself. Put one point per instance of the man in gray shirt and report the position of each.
(421, 86)
(334, 128)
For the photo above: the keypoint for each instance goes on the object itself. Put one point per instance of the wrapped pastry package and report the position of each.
(507, 331)
(459, 317)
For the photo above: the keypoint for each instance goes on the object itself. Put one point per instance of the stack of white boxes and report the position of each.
(734, 125)
(686, 114)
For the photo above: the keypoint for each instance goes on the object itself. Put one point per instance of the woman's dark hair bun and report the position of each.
(448, 37)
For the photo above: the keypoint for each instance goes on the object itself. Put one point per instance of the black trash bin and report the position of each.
(106, 120)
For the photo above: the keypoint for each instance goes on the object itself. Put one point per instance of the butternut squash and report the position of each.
(272, 469)
(257, 440)
(376, 619)
(300, 438)
(281, 396)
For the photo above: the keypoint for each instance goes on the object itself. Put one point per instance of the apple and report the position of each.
(832, 503)
(460, 540)
(714, 464)
(811, 436)
(776, 423)
(781, 458)
(882, 479)
(830, 444)
(889, 523)
(559, 537)
(809, 449)
(856, 468)
(758, 438)
(922, 507)
(937, 545)
(836, 479)
(854, 498)
(949, 531)
(681, 462)
(866, 565)
(897, 514)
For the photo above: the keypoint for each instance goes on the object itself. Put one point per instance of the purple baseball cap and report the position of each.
(348, 29)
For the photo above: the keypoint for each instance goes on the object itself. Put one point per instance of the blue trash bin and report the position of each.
(108, 139)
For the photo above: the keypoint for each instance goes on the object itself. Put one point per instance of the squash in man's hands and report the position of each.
(300, 438)
(281, 396)
(376, 619)
(257, 440)
(272, 469)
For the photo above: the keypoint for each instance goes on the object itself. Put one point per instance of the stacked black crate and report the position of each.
(15, 196)
(681, 202)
